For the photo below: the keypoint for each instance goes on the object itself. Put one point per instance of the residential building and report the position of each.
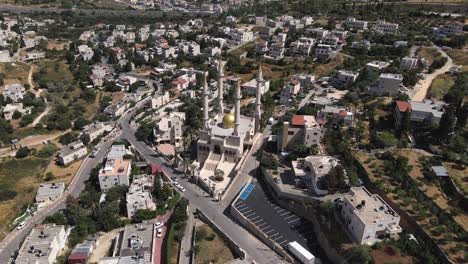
(409, 63)
(81, 252)
(115, 172)
(377, 65)
(317, 168)
(118, 152)
(291, 89)
(71, 153)
(334, 115)
(49, 191)
(10, 109)
(304, 129)
(388, 84)
(427, 112)
(384, 27)
(85, 52)
(239, 37)
(15, 92)
(43, 244)
(303, 46)
(323, 51)
(347, 76)
(139, 195)
(452, 28)
(353, 23)
(362, 44)
(250, 87)
(136, 247)
(261, 47)
(4, 56)
(33, 56)
(368, 217)
(159, 99)
(96, 129)
(169, 129)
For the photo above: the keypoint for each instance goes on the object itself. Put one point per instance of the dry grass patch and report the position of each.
(441, 85)
(325, 69)
(58, 45)
(23, 177)
(430, 54)
(459, 175)
(459, 57)
(15, 72)
(211, 248)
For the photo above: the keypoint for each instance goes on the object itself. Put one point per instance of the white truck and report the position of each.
(301, 253)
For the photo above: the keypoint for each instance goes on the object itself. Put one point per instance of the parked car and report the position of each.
(159, 224)
(174, 178)
(159, 233)
(181, 188)
(21, 225)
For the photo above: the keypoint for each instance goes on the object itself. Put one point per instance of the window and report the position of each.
(290, 133)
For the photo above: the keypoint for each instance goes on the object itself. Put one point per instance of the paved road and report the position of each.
(255, 249)
(12, 242)
(186, 243)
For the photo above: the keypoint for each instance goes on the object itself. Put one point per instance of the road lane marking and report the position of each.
(272, 230)
(292, 221)
(286, 218)
(283, 214)
(260, 226)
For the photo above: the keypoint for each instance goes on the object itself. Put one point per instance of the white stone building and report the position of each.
(43, 244)
(347, 76)
(139, 195)
(304, 129)
(49, 191)
(368, 217)
(388, 84)
(71, 153)
(115, 172)
(384, 27)
(15, 91)
(169, 129)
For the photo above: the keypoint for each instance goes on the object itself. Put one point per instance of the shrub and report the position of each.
(22, 152)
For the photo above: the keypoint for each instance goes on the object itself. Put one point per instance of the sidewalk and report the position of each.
(186, 243)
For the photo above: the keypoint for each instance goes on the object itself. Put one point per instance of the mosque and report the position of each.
(225, 137)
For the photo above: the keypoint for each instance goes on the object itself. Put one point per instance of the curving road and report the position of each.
(217, 212)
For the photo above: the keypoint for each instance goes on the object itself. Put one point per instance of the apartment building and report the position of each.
(368, 217)
(115, 172)
(388, 84)
(303, 129)
(43, 244)
(139, 194)
(169, 129)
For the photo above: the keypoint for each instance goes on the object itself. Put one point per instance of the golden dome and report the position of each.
(228, 120)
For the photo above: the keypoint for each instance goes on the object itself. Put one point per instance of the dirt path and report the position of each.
(38, 94)
(104, 244)
(421, 89)
(32, 141)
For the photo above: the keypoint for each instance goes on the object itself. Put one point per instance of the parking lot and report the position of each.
(279, 224)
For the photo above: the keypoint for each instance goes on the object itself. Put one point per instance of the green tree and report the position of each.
(22, 152)
(360, 254)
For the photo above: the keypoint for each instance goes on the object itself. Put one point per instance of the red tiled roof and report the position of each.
(298, 120)
(343, 113)
(403, 106)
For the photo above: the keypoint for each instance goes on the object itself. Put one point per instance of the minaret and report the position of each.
(205, 102)
(237, 110)
(258, 99)
(220, 86)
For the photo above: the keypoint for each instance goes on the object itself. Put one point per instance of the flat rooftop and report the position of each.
(48, 189)
(369, 207)
(115, 166)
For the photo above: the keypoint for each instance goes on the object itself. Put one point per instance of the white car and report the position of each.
(159, 224)
(159, 233)
(181, 188)
(21, 225)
